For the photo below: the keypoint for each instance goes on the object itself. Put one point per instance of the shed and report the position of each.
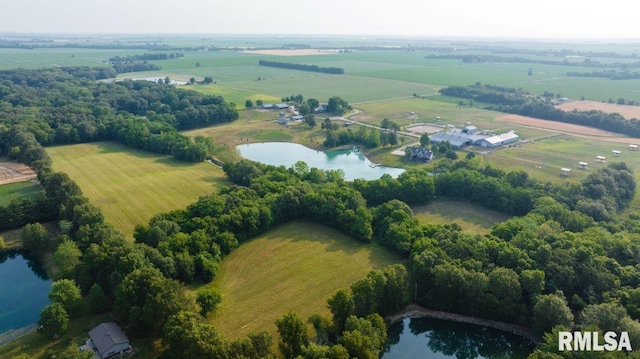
(281, 106)
(565, 171)
(107, 340)
(583, 165)
(601, 159)
(633, 147)
(616, 153)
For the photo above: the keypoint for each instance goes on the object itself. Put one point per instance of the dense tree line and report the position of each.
(64, 106)
(587, 62)
(158, 56)
(302, 67)
(609, 74)
(487, 93)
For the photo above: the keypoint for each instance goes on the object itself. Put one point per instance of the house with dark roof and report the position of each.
(107, 340)
(419, 153)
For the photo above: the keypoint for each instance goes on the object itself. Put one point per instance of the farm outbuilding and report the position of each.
(616, 153)
(633, 147)
(456, 139)
(583, 165)
(601, 159)
(499, 140)
(565, 171)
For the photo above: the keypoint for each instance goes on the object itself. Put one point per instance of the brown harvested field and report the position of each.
(626, 111)
(297, 52)
(15, 172)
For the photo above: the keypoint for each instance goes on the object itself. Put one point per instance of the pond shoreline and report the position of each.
(416, 311)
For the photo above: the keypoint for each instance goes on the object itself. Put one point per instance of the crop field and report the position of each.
(130, 186)
(294, 267)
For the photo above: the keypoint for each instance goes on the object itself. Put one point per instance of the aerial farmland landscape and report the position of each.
(224, 188)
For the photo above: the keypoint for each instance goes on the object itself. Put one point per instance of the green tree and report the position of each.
(207, 80)
(293, 335)
(98, 301)
(364, 337)
(424, 140)
(67, 258)
(2, 244)
(208, 300)
(187, 336)
(304, 109)
(53, 320)
(67, 293)
(551, 310)
(34, 237)
(341, 306)
(248, 104)
(313, 104)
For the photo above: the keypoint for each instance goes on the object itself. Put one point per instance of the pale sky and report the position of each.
(476, 18)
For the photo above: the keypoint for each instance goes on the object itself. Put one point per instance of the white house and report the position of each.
(107, 340)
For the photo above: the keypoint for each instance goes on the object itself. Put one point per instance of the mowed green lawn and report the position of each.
(470, 217)
(294, 267)
(130, 186)
(17, 191)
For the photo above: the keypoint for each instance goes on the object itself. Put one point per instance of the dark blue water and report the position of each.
(352, 162)
(440, 339)
(24, 288)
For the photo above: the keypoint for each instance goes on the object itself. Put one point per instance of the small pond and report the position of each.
(24, 290)
(440, 339)
(351, 161)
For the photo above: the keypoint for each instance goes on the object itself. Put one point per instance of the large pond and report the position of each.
(351, 161)
(439, 339)
(24, 290)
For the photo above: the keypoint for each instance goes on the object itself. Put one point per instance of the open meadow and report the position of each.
(470, 217)
(130, 186)
(294, 267)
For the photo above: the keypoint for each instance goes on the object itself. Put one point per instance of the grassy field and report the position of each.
(294, 267)
(470, 217)
(18, 190)
(130, 186)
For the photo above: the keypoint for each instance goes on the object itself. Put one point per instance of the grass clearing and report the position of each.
(469, 216)
(130, 186)
(294, 267)
(18, 190)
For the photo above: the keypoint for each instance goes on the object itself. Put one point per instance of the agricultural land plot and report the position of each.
(11, 172)
(294, 267)
(626, 111)
(130, 186)
(470, 217)
(543, 158)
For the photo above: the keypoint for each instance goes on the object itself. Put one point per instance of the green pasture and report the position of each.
(469, 216)
(17, 191)
(130, 186)
(294, 267)
(544, 157)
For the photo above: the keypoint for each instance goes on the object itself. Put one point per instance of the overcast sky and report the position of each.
(487, 18)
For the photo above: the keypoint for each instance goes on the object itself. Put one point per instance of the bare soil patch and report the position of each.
(423, 128)
(15, 172)
(626, 111)
(292, 52)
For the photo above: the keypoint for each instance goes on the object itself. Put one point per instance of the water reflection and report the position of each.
(445, 339)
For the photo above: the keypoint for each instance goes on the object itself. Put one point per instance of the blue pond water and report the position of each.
(351, 161)
(24, 288)
(441, 339)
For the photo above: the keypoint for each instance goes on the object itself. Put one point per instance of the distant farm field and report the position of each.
(130, 186)
(626, 111)
(294, 267)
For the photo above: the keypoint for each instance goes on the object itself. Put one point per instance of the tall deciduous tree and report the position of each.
(67, 293)
(53, 320)
(67, 258)
(293, 335)
(551, 310)
(34, 237)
